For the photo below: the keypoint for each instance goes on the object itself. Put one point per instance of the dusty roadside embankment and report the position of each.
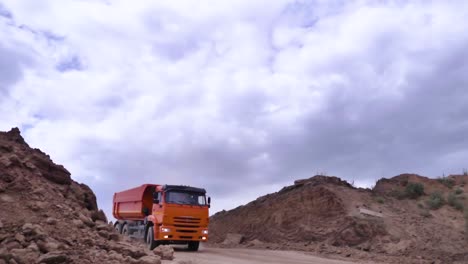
(47, 217)
(405, 219)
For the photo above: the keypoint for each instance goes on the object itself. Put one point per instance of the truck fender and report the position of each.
(149, 221)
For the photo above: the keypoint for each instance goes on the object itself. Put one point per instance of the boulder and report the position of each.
(103, 226)
(233, 239)
(25, 255)
(104, 234)
(149, 260)
(86, 220)
(165, 252)
(99, 216)
(52, 172)
(12, 245)
(255, 243)
(51, 221)
(78, 223)
(19, 237)
(54, 258)
(116, 256)
(128, 249)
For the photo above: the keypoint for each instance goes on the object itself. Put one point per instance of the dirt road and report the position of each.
(248, 256)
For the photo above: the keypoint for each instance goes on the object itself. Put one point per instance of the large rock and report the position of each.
(233, 239)
(149, 260)
(52, 172)
(51, 221)
(14, 135)
(86, 220)
(99, 216)
(165, 252)
(47, 246)
(255, 243)
(25, 255)
(54, 258)
(128, 249)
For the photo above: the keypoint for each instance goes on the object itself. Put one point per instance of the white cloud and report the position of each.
(231, 96)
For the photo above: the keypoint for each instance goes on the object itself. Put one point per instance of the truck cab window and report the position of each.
(157, 197)
(176, 197)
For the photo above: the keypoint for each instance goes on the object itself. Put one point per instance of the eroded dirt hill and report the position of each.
(400, 220)
(46, 217)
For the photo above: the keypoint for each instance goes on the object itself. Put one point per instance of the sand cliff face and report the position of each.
(46, 217)
(328, 215)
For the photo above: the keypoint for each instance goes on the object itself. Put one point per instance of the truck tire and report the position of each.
(150, 239)
(125, 229)
(118, 227)
(193, 245)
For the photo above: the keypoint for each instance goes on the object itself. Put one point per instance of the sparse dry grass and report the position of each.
(413, 190)
(380, 199)
(454, 201)
(446, 181)
(436, 200)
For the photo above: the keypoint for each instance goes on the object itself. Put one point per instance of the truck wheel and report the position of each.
(118, 227)
(193, 245)
(125, 230)
(150, 239)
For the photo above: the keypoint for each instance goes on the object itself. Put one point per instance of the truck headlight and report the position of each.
(165, 230)
(204, 232)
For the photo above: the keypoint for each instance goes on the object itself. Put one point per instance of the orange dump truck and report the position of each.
(163, 214)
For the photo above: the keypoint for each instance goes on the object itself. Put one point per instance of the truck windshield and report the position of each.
(176, 197)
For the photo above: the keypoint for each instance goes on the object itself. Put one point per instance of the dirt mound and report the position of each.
(397, 184)
(328, 215)
(309, 210)
(46, 217)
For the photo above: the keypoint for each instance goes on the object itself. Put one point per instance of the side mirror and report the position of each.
(209, 200)
(155, 198)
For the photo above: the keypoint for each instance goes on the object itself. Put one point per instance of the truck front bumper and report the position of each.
(172, 233)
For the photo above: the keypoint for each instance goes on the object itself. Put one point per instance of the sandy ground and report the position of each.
(248, 256)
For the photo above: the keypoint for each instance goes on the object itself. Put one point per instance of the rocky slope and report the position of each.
(46, 217)
(400, 220)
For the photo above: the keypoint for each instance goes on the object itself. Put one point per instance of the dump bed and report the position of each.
(131, 204)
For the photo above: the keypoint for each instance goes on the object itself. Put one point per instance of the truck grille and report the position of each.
(187, 222)
(186, 231)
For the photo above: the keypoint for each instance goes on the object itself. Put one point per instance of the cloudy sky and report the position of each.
(239, 97)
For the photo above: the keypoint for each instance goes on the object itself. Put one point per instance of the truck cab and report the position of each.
(163, 214)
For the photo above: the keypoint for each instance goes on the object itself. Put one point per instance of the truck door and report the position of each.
(157, 212)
